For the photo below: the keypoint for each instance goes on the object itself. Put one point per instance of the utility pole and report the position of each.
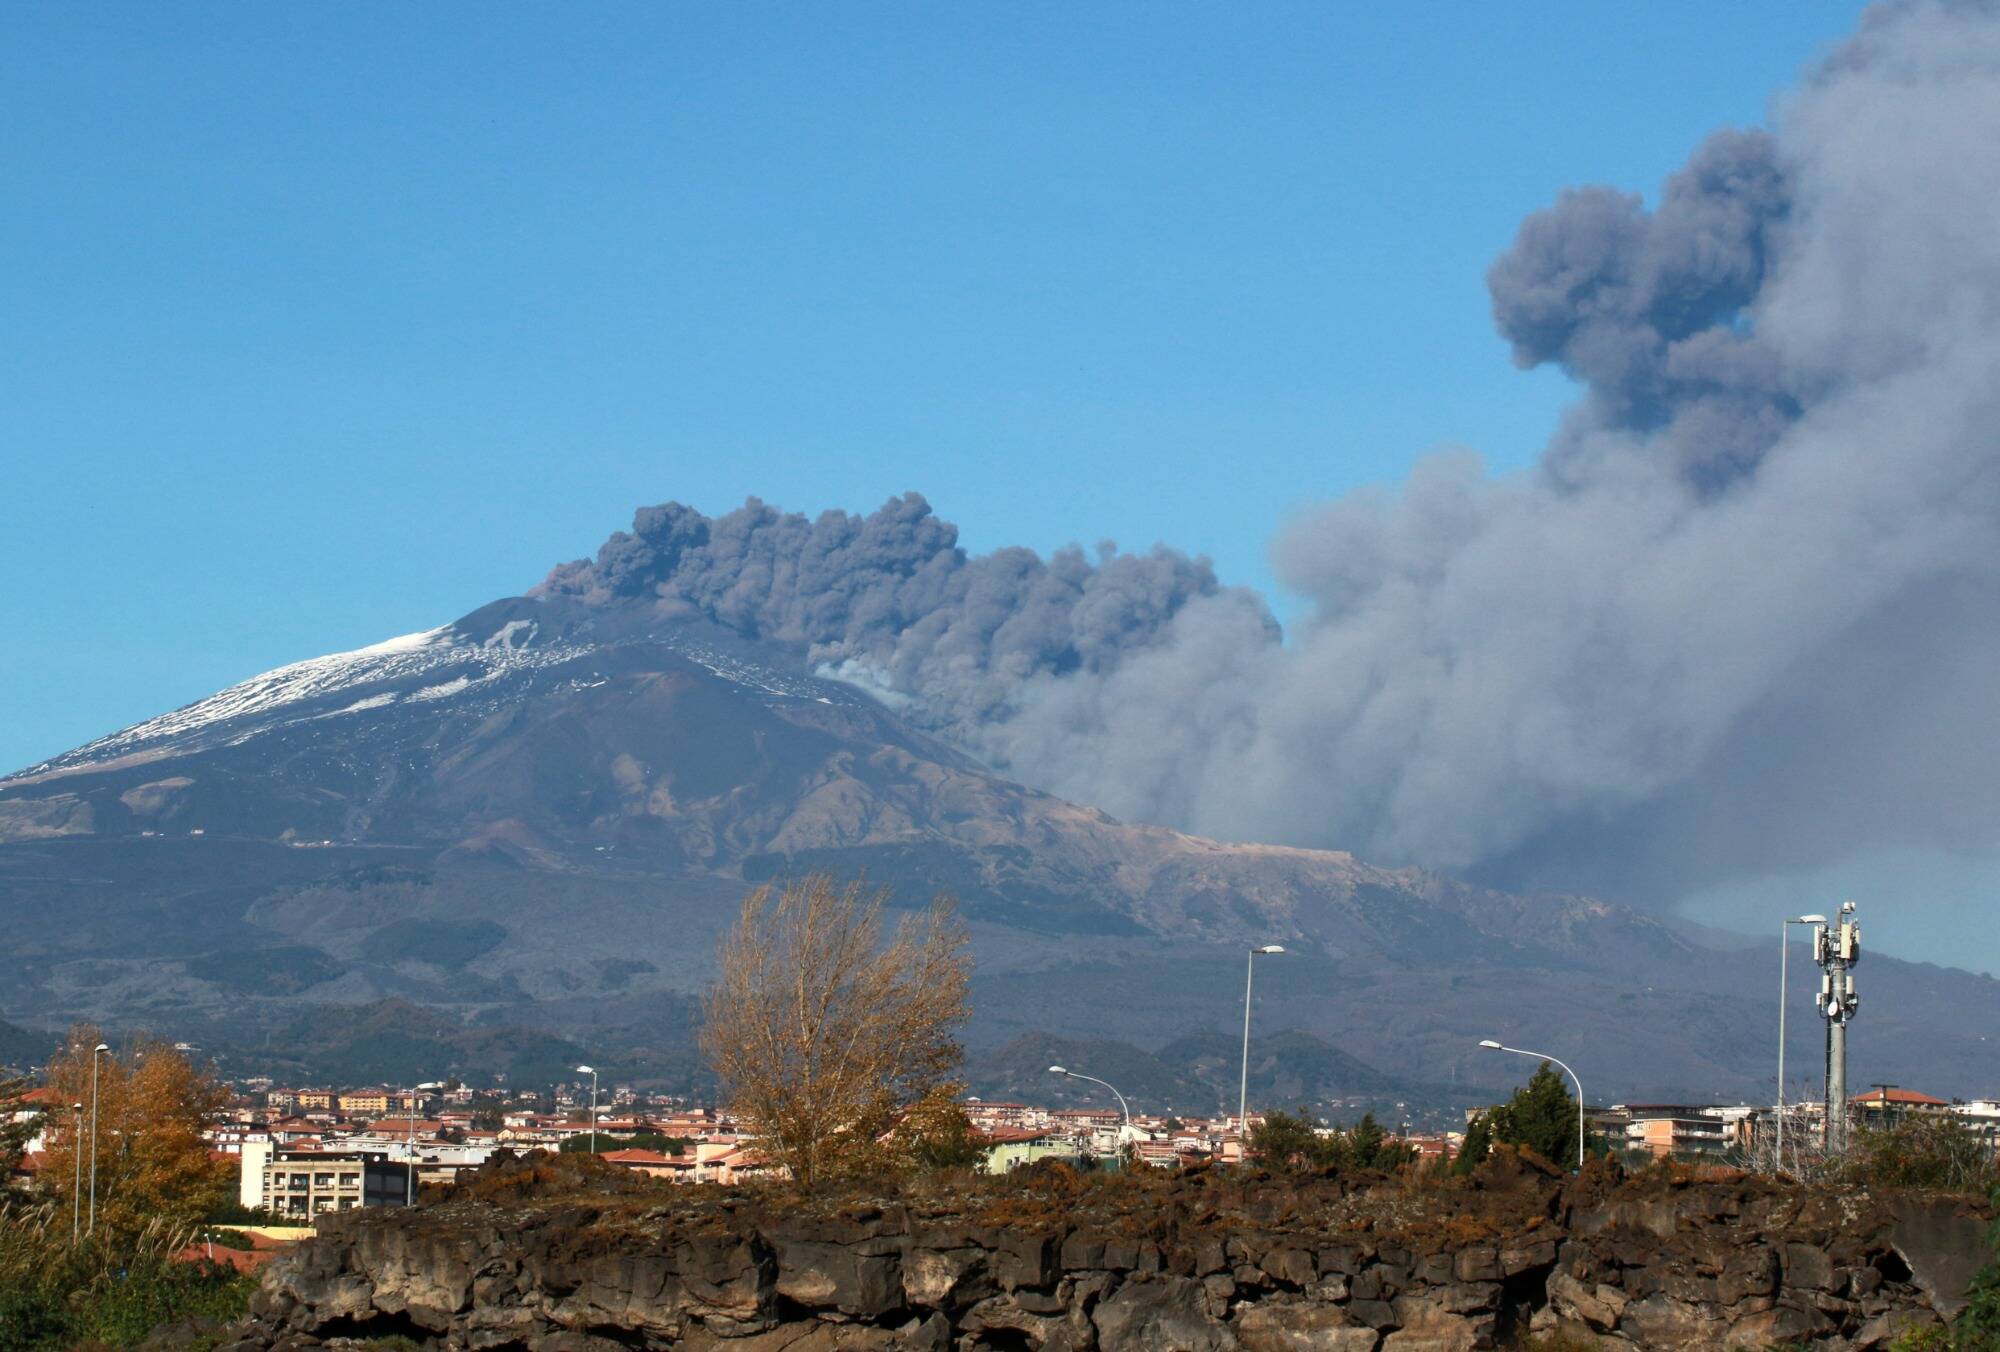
(76, 1196)
(1837, 948)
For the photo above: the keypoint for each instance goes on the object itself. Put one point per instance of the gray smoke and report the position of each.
(1741, 618)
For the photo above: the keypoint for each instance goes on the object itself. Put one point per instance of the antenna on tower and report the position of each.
(1836, 948)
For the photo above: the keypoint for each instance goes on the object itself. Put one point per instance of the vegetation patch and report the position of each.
(449, 944)
(266, 971)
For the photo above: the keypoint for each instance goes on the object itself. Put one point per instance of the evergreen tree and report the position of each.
(1477, 1146)
(1369, 1147)
(1540, 1116)
(1290, 1141)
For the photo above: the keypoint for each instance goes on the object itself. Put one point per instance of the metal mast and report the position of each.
(1836, 949)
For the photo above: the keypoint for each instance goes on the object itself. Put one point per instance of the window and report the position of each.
(323, 1180)
(350, 1180)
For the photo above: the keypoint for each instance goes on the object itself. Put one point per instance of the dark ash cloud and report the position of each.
(890, 602)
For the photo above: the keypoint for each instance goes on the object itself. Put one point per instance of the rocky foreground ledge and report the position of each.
(562, 1254)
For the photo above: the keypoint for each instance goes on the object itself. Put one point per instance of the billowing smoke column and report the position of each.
(1742, 617)
(889, 602)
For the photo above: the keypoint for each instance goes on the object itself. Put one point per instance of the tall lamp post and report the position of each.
(410, 1148)
(96, 1052)
(1122, 1105)
(1784, 989)
(1490, 1045)
(1243, 1092)
(76, 1189)
(592, 1073)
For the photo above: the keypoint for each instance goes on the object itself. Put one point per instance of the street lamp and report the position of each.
(1784, 989)
(101, 1048)
(410, 1147)
(1243, 1092)
(76, 1189)
(1122, 1105)
(592, 1073)
(1490, 1045)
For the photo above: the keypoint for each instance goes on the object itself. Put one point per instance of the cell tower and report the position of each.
(1836, 949)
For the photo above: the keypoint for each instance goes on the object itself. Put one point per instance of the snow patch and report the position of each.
(313, 689)
(444, 691)
(372, 702)
(505, 636)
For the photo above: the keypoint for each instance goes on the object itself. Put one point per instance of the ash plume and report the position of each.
(1740, 617)
(890, 602)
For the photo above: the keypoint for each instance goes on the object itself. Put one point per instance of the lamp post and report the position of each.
(1490, 1045)
(1243, 1092)
(98, 1051)
(592, 1073)
(1784, 989)
(410, 1148)
(76, 1189)
(1122, 1105)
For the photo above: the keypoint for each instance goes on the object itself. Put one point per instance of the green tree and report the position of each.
(1289, 1141)
(638, 1140)
(1540, 1116)
(1478, 1144)
(1370, 1147)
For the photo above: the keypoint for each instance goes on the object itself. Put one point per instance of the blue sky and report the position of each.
(327, 323)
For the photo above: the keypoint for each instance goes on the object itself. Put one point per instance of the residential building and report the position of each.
(298, 1182)
(652, 1163)
(1011, 1147)
(1662, 1129)
(1886, 1104)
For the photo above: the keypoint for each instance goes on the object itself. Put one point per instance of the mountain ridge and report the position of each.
(546, 810)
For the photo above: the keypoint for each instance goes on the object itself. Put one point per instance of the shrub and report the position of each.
(1923, 1150)
(112, 1290)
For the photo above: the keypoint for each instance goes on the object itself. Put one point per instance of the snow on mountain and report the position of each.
(472, 658)
(324, 687)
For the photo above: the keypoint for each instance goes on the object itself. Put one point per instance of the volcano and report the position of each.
(545, 812)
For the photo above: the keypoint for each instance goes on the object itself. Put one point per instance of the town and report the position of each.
(301, 1152)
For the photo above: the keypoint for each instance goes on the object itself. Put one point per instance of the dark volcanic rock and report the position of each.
(554, 1257)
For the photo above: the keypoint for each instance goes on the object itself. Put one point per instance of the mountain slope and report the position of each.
(547, 810)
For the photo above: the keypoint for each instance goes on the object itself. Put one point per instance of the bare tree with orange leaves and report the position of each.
(152, 1163)
(823, 1035)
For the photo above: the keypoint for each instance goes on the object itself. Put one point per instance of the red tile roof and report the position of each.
(1907, 1097)
(651, 1157)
